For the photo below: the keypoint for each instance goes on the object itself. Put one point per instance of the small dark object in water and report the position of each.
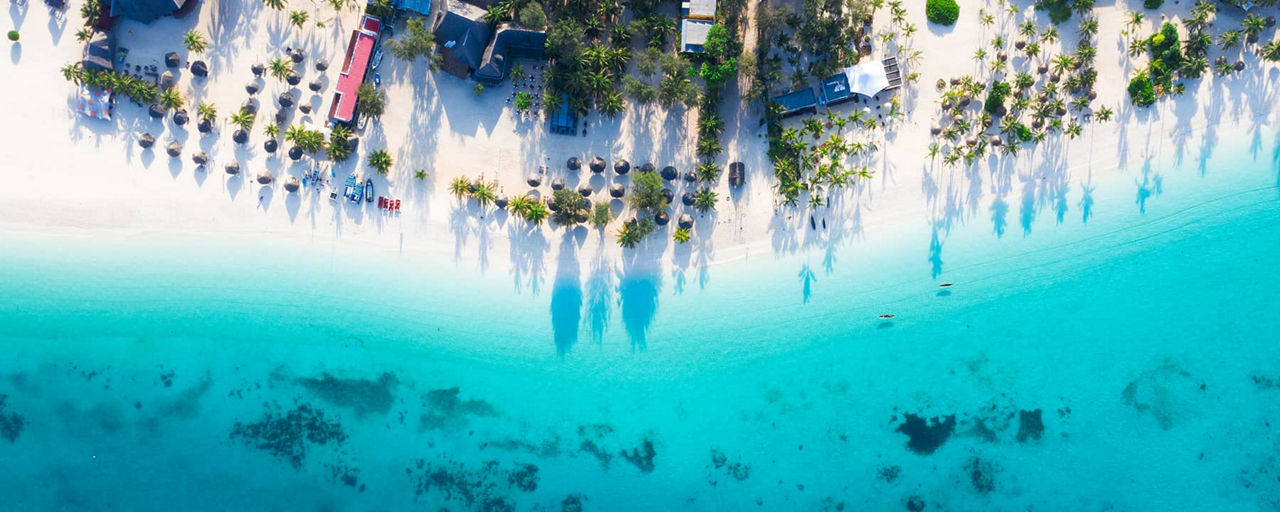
(944, 285)
(915, 504)
(824, 223)
(886, 316)
(1030, 425)
(925, 436)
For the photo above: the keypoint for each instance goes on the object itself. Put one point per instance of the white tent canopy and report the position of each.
(867, 79)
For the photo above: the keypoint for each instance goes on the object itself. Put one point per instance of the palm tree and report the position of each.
(207, 112)
(1253, 25)
(171, 99)
(708, 172)
(73, 72)
(519, 205)
(271, 129)
(484, 193)
(1271, 51)
(295, 134)
(339, 147)
(280, 68)
(536, 212)
(461, 187)
(298, 18)
(1229, 39)
(380, 160)
(681, 235)
(612, 104)
(274, 4)
(1062, 63)
(705, 200)
(84, 35)
(243, 119)
(195, 41)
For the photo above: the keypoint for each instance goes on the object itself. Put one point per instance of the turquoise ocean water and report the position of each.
(1115, 348)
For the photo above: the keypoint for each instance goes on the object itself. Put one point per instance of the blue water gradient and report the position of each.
(1121, 355)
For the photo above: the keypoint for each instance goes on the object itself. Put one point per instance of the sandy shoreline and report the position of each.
(89, 177)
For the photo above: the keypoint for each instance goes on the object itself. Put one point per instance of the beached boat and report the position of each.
(368, 190)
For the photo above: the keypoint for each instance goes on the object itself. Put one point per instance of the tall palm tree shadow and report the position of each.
(566, 298)
(807, 278)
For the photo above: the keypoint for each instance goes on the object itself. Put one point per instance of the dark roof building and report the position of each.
(97, 53)
(147, 11)
(508, 44)
(798, 102)
(462, 36)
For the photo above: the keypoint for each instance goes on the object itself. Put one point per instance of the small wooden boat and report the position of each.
(887, 316)
(368, 190)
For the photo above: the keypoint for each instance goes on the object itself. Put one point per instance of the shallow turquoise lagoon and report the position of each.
(1109, 350)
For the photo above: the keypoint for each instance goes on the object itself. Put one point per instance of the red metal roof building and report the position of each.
(343, 106)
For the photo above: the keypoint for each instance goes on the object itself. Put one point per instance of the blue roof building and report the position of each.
(798, 102)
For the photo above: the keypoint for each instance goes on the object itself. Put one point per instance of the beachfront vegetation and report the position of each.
(1152, 4)
(298, 18)
(681, 235)
(207, 112)
(420, 174)
(92, 11)
(525, 207)
(646, 193)
(339, 147)
(309, 141)
(634, 231)
(13, 35)
(122, 84)
(942, 12)
(568, 207)
(275, 4)
(380, 161)
(194, 41)
(601, 215)
(280, 68)
(460, 187)
(417, 41)
(171, 99)
(370, 100)
(705, 200)
(524, 101)
(243, 119)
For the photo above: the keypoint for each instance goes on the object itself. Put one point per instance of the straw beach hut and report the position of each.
(661, 218)
(200, 158)
(285, 100)
(687, 199)
(685, 221)
(240, 136)
(648, 168)
(180, 117)
(146, 140)
(252, 87)
(174, 149)
(292, 184)
(534, 180)
(621, 166)
(295, 153)
(574, 163)
(670, 173)
(617, 190)
(585, 190)
(233, 168)
(322, 64)
(264, 177)
(597, 165)
(258, 69)
(557, 184)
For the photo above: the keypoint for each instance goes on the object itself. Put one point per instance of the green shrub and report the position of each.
(13, 35)
(995, 98)
(942, 12)
(1152, 4)
(1142, 92)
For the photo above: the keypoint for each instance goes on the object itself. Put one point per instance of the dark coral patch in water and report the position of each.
(444, 410)
(572, 503)
(11, 423)
(736, 469)
(478, 489)
(642, 457)
(288, 436)
(524, 477)
(890, 474)
(982, 474)
(1030, 425)
(925, 436)
(364, 396)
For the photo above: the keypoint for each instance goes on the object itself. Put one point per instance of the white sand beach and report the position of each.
(66, 174)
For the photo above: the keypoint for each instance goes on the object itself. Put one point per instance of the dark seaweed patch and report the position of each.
(1264, 382)
(915, 504)
(287, 436)
(736, 469)
(478, 489)
(572, 503)
(642, 456)
(363, 396)
(443, 410)
(982, 474)
(890, 474)
(185, 403)
(1030, 425)
(347, 475)
(11, 423)
(167, 378)
(600, 454)
(926, 436)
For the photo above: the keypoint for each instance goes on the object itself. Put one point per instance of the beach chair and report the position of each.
(397, 206)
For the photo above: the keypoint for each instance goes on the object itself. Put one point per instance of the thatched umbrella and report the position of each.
(690, 177)
(233, 167)
(322, 64)
(669, 173)
(293, 78)
(557, 184)
(174, 149)
(286, 99)
(596, 165)
(292, 184)
(996, 141)
(199, 68)
(551, 205)
(146, 140)
(304, 108)
(296, 55)
(632, 221)
(204, 126)
(172, 60)
(180, 117)
(649, 167)
(668, 194)
(252, 87)
(685, 221)
(534, 180)
(1238, 66)
(258, 69)
(621, 166)
(264, 177)
(687, 198)
(315, 85)
(271, 145)
(240, 136)
(200, 158)
(249, 106)
(585, 190)
(156, 111)
(167, 80)
(617, 190)
(295, 153)
(501, 202)
(935, 129)
(574, 163)
(661, 218)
